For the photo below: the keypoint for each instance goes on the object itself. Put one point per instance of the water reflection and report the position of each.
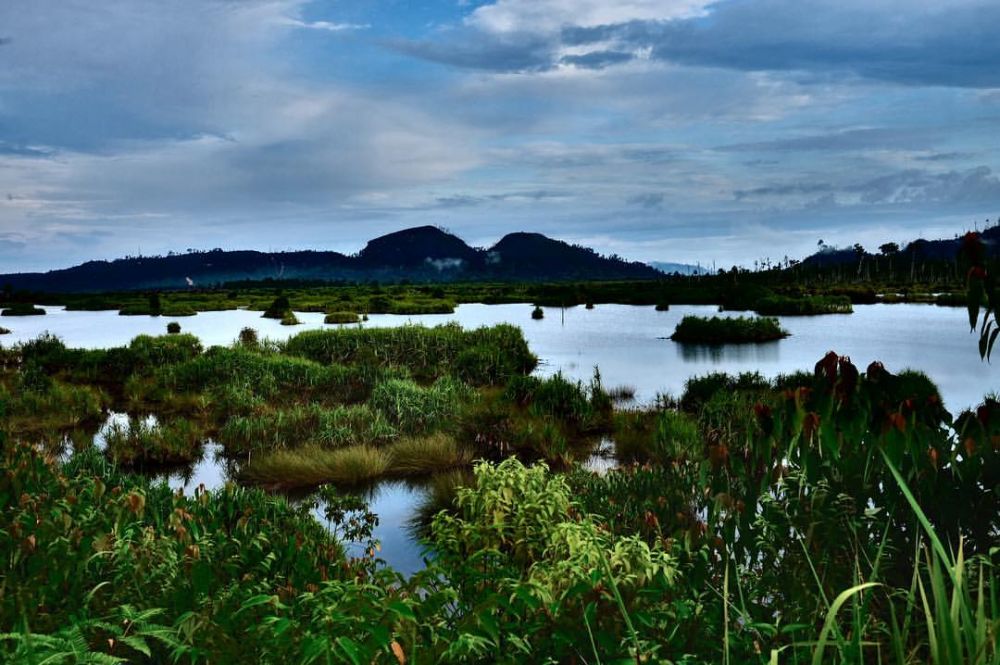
(767, 352)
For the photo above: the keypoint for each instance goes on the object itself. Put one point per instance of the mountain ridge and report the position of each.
(423, 253)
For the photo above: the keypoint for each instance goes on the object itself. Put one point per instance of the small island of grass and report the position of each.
(4, 331)
(721, 330)
(341, 317)
(22, 309)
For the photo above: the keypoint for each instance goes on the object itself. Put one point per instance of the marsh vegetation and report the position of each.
(832, 515)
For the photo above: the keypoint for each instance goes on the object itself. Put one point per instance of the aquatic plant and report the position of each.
(309, 466)
(727, 330)
(341, 317)
(538, 313)
(173, 328)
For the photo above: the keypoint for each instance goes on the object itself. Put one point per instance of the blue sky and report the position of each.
(675, 130)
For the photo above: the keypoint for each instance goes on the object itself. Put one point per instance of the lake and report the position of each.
(628, 344)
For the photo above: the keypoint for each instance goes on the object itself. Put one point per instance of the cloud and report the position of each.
(540, 16)
(648, 201)
(945, 43)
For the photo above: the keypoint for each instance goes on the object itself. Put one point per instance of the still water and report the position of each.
(627, 343)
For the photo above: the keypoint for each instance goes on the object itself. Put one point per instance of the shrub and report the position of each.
(248, 338)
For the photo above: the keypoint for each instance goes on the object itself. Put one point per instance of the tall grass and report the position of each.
(415, 456)
(309, 466)
(334, 427)
(426, 352)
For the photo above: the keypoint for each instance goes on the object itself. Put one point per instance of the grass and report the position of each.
(538, 313)
(22, 309)
(803, 306)
(312, 424)
(418, 456)
(4, 331)
(310, 466)
(727, 330)
(141, 442)
(341, 318)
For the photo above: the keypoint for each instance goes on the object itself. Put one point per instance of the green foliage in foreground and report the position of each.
(727, 330)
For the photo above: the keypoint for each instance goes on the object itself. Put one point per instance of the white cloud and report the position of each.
(506, 16)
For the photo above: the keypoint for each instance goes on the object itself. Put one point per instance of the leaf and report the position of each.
(993, 338)
(831, 618)
(350, 647)
(262, 599)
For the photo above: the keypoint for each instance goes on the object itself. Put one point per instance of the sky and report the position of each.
(661, 130)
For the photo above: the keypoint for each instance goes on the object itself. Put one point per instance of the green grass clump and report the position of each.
(38, 403)
(4, 331)
(310, 466)
(22, 309)
(279, 308)
(413, 408)
(427, 353)
(538, 313)
(144, 442)
(416, 456)
(341, 317)
(289, 319)
(727, 330)
(311, 424)
(165, 350)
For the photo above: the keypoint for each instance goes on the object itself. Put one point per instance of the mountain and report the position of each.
(916, 251)
(420, 247)
(533, 253)
(426, 254)
(679, 268)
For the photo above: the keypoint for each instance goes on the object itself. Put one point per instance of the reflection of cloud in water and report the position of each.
(723, 353)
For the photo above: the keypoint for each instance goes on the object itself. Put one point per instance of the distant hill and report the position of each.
(679, 268)
(919, 250)
(426, 254)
